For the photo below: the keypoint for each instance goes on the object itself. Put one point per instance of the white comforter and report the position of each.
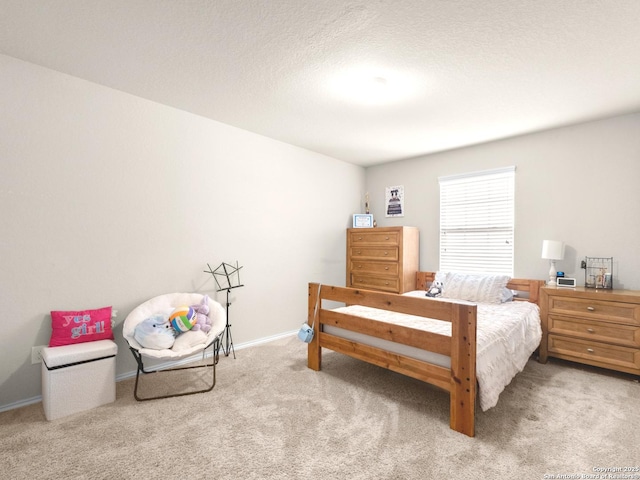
(507, 335)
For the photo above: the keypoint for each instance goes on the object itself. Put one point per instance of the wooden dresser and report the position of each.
(595, 327)
(383, 258)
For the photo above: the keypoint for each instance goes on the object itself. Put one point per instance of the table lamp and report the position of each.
(552, 250)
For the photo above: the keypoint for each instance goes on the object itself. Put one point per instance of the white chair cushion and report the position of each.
(163, 303)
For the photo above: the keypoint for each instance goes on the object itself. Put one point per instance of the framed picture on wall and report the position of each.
(394, 201)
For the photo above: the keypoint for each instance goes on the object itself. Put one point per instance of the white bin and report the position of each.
(78, 377)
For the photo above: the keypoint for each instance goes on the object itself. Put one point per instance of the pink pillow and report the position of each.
(80, 326)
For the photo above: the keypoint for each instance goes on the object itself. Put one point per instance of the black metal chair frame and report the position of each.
(215, 358)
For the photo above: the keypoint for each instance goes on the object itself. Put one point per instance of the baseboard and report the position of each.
(125, 375)
(20, 403)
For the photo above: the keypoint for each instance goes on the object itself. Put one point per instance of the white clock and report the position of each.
(565, 282)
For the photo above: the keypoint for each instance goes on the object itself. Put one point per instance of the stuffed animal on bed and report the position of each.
(203, 322)
(435, 290)
(155, 332)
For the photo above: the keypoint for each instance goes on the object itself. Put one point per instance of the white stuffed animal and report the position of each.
(435, 290)
(155, 332)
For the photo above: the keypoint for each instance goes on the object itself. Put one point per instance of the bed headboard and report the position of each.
(529, 290)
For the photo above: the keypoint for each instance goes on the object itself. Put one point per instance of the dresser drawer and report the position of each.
(383, 268)
(375, 237)
(595, 353)
(596, 309)
(628, 335)
(374, 253)
(374, 282)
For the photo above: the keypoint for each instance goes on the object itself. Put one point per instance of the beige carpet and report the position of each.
(271, 417)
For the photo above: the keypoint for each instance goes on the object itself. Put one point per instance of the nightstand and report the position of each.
(591, 326)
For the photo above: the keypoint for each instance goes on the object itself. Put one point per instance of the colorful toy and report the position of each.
(155, 332)
(182, 319)
(203, 322)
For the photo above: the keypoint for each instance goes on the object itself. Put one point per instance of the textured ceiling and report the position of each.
(454, 72)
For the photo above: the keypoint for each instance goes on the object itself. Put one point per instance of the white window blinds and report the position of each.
(476, 222)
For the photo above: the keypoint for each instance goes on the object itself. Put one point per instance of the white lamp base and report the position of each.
(552, 273)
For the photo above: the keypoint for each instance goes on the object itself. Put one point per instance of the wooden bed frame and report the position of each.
(459, 380)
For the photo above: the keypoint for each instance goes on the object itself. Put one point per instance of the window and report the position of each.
(476, 222)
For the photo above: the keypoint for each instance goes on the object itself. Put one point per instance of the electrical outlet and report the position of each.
(36, 354)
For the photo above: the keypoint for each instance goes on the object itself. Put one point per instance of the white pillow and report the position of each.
(475, 287)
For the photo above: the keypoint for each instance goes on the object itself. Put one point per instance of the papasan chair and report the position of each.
(187, 344)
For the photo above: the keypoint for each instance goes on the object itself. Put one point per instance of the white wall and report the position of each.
(109, 199)
(580, 184)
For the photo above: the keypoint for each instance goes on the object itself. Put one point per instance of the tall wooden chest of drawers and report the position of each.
(595, 327)
(383, 258)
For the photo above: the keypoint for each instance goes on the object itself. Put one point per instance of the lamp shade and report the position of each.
(552, 249)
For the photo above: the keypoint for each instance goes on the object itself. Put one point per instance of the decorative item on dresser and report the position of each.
(383, 258)
(598, 272)
(595, 327)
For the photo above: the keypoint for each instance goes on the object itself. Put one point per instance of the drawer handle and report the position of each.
(386, 253)
(359, 266)
(386, 283)
(591, 309)
(358, 252)
(386, 268)
(590, 350)
(591, 330)
(386, 238)
(359, 238)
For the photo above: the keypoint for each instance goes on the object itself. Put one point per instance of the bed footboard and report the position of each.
(459, 380)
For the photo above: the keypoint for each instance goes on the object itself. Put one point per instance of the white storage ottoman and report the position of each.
(78, 377)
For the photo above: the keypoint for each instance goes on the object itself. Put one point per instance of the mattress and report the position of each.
(507, 335)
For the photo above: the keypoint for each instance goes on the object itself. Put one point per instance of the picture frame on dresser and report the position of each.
(362, 220)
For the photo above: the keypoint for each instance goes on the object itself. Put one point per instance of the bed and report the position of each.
(435, 340)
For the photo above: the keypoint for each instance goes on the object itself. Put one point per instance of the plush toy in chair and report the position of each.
(155, 332)
(203, 322)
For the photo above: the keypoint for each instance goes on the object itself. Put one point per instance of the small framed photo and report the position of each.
(362, 220)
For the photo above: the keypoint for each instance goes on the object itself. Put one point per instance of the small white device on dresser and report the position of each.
(566, 282)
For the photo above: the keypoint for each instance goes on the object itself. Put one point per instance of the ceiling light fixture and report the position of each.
(368, 87)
